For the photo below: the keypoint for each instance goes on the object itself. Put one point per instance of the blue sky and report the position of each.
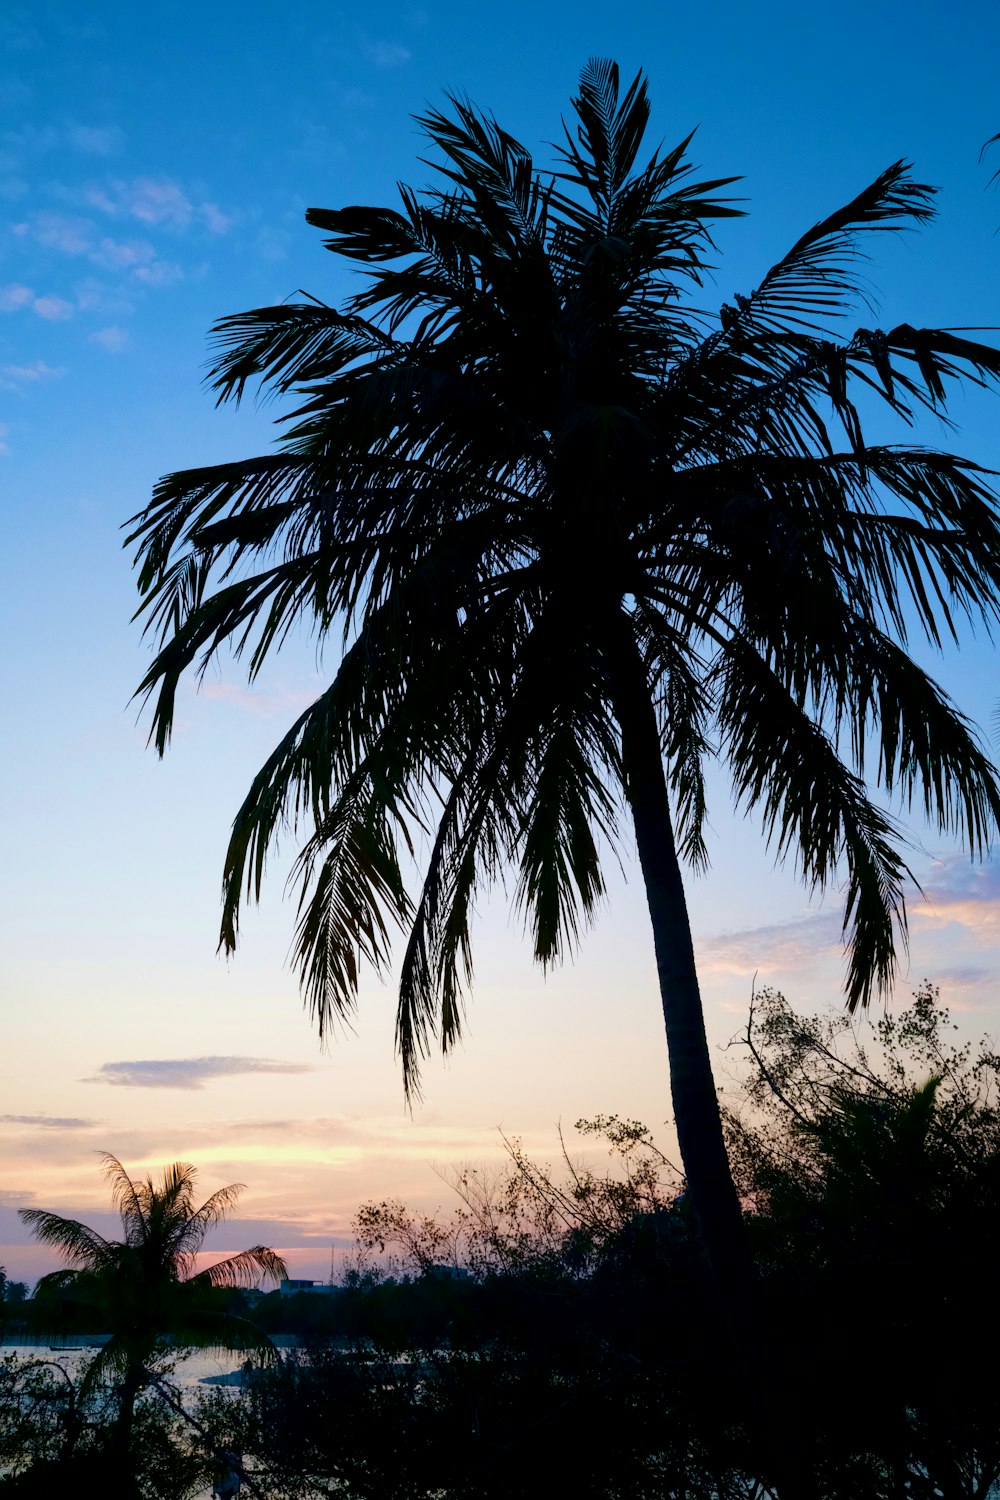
(155, 167)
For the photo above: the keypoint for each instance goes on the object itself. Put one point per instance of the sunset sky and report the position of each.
(155, 167)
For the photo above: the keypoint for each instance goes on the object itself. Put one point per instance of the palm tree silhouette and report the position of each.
(578, 539)
(144, 1289)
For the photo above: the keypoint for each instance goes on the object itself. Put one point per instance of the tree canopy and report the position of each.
(574, 538)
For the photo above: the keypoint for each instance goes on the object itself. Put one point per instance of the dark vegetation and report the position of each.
(574, 538)
(571, 537)
(559, 1333)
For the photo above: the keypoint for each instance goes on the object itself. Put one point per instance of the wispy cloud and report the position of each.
(265, 704)
(784, 946)
(49, 1122)
(158, 201)
(159, 273)
(15, 296)
(122, 255)
(72, 235)
(214, 220)
(962, 893)
(94, 140)
(18, 298)
(13, 376)
(186, 1072)
(4, 429)
(112, 339)
(13, 1198)
(53, 309)
(383, 53)
(69, 233)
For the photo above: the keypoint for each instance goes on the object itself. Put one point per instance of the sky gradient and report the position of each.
(154, 173)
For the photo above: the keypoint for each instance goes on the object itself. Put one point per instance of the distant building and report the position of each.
(290, 1285)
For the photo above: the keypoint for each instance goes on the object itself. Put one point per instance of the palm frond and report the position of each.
(568, 808)
(608, 135)
(84, 1248)
(815, 810)
(345, 908)
(219, 1205)
(818, 278)
(519, 397)
(287, 347)
(245, 1269)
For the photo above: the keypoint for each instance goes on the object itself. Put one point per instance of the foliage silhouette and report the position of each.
(577, 539)
(873, 1166)
(870, 1162)
(144, 1289)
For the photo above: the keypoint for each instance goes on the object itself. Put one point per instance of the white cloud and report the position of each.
(71, 235)
(14, 375)
(53, 309)
(157, 201)
(123, 255)
(14, 297)
(94, 140)
(4, 429)
(113, 339)
(159, 273)
(136, 258)
(385, 54)
(186, 1072)
(214, 219)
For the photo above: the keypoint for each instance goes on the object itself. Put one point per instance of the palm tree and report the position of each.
(144, 1289)
(577, 539)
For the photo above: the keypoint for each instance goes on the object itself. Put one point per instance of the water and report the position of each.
(189, 1374)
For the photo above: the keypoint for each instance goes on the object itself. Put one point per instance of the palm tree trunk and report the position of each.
(767, 1381)
(692, 1087)
(120, 1437)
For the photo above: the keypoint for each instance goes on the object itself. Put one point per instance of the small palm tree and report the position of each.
(578, 539)
(144, 1289)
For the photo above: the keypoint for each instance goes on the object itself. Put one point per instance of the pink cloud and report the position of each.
(980, 920)
(265, 704)
(187, 1072)
(788, 947)
(961, 893)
